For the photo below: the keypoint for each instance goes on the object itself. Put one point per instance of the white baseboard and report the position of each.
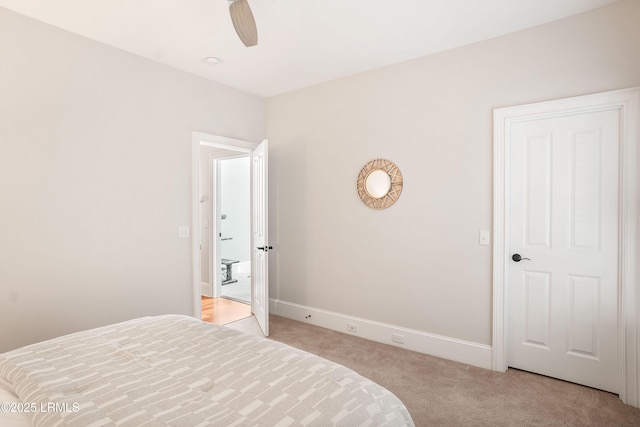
(206, 289)
(435, 345)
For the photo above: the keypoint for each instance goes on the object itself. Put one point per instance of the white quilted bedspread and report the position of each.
(178, 371)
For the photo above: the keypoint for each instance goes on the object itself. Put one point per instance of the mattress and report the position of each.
(178, 371)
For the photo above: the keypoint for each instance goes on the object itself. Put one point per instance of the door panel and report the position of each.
(584, 306)
(564, 218)
(585, 209)
(259, 225)
(537, 310)
(537, 188)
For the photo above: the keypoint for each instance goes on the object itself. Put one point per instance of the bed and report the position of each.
(179, 371)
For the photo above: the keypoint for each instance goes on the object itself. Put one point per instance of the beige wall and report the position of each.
(418, 264)
(95, 178)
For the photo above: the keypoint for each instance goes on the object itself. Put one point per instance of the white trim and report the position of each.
(629, 324)
(198, 139)
(436, 345)
(626, 101)
(214, 242)
(216, 259)
(227, 143)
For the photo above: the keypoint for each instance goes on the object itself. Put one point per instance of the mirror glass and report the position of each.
(378, 183)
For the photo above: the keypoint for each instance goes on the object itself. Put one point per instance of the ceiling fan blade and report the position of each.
(243, 22)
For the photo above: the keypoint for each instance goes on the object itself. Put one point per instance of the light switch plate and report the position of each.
(183, 232)
(484, 238)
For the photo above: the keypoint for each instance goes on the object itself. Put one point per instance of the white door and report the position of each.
(564, 213)
(259, 225)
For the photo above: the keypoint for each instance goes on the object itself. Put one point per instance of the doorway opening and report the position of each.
(225, 234)
(211, 156)
(232, 213)
(259, 170)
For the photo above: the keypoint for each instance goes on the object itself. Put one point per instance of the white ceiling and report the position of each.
(301, 42)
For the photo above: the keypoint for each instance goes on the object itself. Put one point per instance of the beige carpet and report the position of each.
(439, 392)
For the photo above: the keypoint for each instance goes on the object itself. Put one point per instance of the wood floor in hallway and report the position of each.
(221, 311)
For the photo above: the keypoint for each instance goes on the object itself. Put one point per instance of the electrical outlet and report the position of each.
(352, 327)
(397, 338)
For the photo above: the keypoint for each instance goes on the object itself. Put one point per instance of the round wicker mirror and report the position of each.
(379, 184)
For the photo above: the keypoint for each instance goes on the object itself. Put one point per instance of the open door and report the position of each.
(259, 226)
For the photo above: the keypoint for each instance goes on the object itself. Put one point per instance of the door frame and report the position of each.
(626, 101)
(199, 139)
